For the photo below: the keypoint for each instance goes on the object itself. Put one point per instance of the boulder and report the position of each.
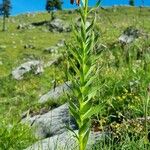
(78, 23)
(65, 141)
(29, 46)
(34, 65)
(55, 93)
(25, 26)
(52, 49)
(61, 43)
(58, 25)
(51, 62)
(129, 35)
(51, 123)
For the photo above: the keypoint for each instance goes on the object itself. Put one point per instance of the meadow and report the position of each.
(123, 76)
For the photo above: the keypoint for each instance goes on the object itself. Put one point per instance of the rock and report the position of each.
(29, 46)
(66, 141)
(25, 26)
(52, 49)
(78, 23)
(55, 93)
(129, 35)
(51, 123)
(34, 65)
(61, 43)
(58, 25)
(51, 62)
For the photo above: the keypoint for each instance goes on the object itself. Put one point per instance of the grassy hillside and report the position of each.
(119, 81)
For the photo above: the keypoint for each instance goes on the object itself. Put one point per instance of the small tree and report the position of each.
(131, 2)
(5, 11)
(52, 5)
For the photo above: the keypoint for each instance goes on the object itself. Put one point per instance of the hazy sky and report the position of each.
(23, 6)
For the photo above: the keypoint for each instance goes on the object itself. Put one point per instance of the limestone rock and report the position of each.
(129, 35)
(65, 141)
(34, 65)
(52, 49)
(55, 93)
(25, 26)
(58, 25)
(51, 123)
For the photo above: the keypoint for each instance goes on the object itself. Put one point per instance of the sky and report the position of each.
(24, 6)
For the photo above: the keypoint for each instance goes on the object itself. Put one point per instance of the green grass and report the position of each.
(115, 75)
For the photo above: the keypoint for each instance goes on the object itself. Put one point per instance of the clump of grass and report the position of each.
(15, 136)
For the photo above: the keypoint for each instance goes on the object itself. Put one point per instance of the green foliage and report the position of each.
(5, 11)
(53, 4)
(15, 136)
(115, 75)
(132, 2)
(5, 8)
(82, 62)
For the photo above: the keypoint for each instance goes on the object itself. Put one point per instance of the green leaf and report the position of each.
(98, 3)
(74, 66)
(91, 25)
(96, 6)
(88, 73)
(75, 134)
(90, 81)
(85, 139)
(90, 44)
(94, 110)
(74, 112)
(83, 30)
(76, 54)
(85, 108)
(84, 128)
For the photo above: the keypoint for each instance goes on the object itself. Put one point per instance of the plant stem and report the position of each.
(146, 114)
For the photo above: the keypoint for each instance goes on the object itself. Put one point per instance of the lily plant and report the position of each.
(83, 74)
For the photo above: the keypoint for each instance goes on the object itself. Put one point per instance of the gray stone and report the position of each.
(65, 141)
(25, 26)
(129, 35)
(51, 123)
(78, 23)
(58, 25)
(61, 43)
(29, 46)
(52, 49)
(55, 93)
(34, 65)
(51, 62)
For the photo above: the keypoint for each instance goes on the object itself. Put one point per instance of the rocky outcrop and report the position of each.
(51, 123)
(52, 49)
(58, 25)
(25, 26)
(55, 93)
(65, 141)
(55, 49)
(34, 65)
(129, 35)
